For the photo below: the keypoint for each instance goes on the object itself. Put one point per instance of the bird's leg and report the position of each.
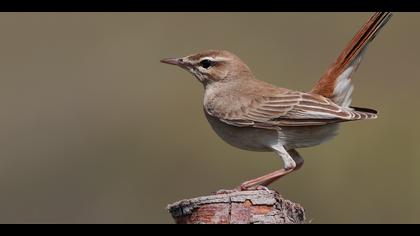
(264, 179)
(297, 157)
(292, 161)
(299, 163)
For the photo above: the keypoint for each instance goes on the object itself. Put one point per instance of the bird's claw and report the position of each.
(226, 191)
(252, 188)
(242, 188)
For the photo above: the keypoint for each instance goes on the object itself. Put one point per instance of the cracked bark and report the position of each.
(241, 207)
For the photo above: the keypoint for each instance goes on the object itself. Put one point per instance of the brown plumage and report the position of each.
(254, 115)
(265, 106)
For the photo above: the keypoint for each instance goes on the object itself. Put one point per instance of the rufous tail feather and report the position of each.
(336, 82)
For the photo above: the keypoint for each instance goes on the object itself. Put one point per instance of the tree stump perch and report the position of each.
(239, 207)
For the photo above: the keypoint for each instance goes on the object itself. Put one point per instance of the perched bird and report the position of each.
(254, 115)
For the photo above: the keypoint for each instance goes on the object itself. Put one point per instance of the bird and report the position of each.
(254, 115)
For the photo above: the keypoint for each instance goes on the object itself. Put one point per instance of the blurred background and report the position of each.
(94, 129)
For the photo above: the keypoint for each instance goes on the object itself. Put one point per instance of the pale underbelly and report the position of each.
(255, 139)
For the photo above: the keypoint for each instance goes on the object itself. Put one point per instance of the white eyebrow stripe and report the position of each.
(207, 58)
(215, 58)
(222, 59)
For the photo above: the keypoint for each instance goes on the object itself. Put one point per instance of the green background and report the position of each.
(95, 130)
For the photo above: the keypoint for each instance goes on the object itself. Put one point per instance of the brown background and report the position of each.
(95, 130)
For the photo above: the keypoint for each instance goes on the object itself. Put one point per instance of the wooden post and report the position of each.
(238, 207)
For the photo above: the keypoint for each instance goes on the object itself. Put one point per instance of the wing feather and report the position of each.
(286, 109)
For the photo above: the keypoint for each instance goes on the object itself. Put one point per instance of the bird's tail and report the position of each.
(336, 82)
(360, 113)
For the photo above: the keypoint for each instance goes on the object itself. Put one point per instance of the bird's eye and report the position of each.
(206, 63)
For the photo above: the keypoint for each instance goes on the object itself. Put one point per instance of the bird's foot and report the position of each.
(241, 188)
(253, 188)
(226, 191)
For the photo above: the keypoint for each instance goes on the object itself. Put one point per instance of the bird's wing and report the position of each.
(290, 108)
(336, 82)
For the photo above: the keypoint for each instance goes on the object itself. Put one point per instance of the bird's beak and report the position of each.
(173, 61)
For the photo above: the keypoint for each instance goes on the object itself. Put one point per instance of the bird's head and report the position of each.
(212, 66)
